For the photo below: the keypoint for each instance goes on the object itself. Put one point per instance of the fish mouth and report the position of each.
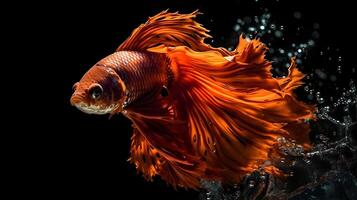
(79, 103)
(76, 99)
(94, 109)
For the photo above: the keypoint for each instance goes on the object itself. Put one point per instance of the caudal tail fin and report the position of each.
(235, 108)
(224, 111)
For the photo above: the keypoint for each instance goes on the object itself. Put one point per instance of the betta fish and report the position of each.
(198, 112)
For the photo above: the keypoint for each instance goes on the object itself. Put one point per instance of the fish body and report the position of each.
(198, 112)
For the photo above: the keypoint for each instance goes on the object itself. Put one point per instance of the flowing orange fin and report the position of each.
(145, 157)
(159, 125)
(235, 109)
(169, 29)
(224, 111)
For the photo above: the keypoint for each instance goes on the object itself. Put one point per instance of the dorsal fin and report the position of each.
(170, 29)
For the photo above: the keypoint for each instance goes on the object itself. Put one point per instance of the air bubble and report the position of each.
(297, 15)
(251, 29)
(278, 34)
(251, 184)
(316, 26)
(237, 27)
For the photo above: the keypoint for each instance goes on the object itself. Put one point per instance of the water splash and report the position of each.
(274, 34)
(329, 169)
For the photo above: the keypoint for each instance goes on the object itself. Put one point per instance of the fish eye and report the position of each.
(95, 91)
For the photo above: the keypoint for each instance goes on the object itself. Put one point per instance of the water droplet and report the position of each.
(297, 15)
(346, 108)
(320, 100)
(320, 74)
(333, 78)
(256, 19)
(303, 45)
(264, 21)
(315, 35)
(339, 70)
(236, 27)
(316, 26)
(278, 34)
(311, 43)
(247, 20)
(251, 184)
(252, 29)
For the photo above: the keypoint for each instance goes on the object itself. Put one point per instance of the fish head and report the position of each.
(100, 91)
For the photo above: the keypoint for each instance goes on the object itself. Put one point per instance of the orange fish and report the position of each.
(198, 112)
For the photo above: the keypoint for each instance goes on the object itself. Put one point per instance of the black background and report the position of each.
(74, 155)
